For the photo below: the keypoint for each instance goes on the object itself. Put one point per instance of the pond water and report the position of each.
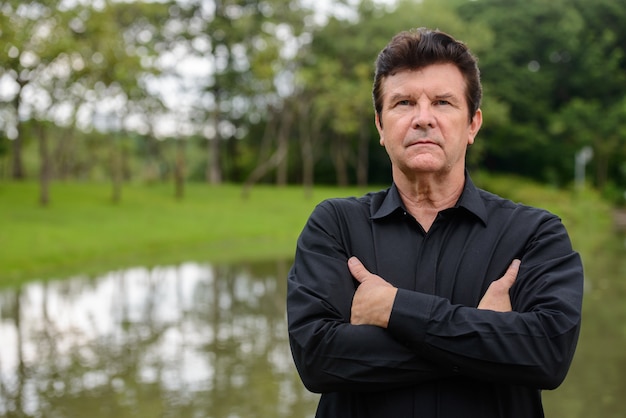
(193, 340)
(210, 341)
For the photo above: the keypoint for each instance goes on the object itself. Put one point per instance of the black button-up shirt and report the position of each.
(440, 356)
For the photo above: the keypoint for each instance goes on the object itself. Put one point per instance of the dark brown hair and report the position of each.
(418, 48)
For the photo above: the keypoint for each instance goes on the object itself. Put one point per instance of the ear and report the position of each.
(379, 127)
(474, 127)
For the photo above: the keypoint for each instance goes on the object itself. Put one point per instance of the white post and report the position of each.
(582, 158)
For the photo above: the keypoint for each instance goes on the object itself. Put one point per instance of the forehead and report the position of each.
(434, 79)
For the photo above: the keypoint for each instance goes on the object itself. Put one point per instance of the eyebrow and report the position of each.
(399, 96)
(446, 96)
(403, 96)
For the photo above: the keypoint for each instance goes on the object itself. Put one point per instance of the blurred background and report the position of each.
(159, 158)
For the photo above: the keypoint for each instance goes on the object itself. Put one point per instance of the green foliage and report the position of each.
(554, 75)
(559, 67)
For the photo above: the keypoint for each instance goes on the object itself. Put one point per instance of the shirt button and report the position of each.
(456, 369)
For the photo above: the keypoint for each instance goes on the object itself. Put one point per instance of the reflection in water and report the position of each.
(211, 341)
(186, 341)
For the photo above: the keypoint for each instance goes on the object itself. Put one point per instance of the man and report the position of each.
(432, 298)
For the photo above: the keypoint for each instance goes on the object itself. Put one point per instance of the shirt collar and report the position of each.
(470, 200)
(390, 203)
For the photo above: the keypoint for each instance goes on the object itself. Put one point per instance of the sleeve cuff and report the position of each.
(410, 316)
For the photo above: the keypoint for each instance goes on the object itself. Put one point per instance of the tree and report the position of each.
(128, 38)
(337, 76)
(63, 59)
(32, 36)
(552, 60)
(242, 41)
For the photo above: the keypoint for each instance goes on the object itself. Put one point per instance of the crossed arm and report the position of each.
(407, 337)
(373, 299)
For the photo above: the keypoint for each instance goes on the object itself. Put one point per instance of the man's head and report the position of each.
(419, 48)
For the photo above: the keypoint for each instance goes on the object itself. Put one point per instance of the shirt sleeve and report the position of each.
(330, 353)
(533, 345)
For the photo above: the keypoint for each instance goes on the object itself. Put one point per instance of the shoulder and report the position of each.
(493, 201)
(353, 205)
(540, 233)
(517, 215)
(345, 213)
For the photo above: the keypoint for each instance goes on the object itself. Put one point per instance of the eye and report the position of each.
(442, 102)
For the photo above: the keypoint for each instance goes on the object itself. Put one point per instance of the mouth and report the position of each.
(422, 142)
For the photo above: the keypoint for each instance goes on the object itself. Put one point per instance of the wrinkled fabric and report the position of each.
(440, 356)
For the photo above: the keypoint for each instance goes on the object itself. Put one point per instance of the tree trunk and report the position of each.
(277, 158)
(17, 163)
(341, 163)
(214, 170)
(363, 156)
(45, 166)
(63, 156)
(262, 169)
(116, 169)
(308, 164)
(282, 168)
(179, 169)
(308, 134)
(17, 166)
(232, 172)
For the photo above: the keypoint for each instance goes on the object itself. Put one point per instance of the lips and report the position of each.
(422, 142)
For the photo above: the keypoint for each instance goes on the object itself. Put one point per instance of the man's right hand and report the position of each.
(497, 297)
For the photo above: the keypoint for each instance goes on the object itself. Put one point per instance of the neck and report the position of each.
(426, 195)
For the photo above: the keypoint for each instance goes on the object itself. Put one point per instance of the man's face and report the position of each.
(424, 122)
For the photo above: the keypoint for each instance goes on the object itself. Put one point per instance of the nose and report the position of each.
(423, 117)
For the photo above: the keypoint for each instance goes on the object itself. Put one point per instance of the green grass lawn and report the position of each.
(82, 232)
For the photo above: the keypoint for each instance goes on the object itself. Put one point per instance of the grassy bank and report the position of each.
(82, 232)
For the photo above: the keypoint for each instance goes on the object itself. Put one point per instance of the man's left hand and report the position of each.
(373, 299)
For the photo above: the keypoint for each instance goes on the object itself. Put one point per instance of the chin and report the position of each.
(426, 166)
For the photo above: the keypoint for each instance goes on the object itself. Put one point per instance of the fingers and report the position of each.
(357, 269)
(497, 297)
(373, 298)
(511, 273)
